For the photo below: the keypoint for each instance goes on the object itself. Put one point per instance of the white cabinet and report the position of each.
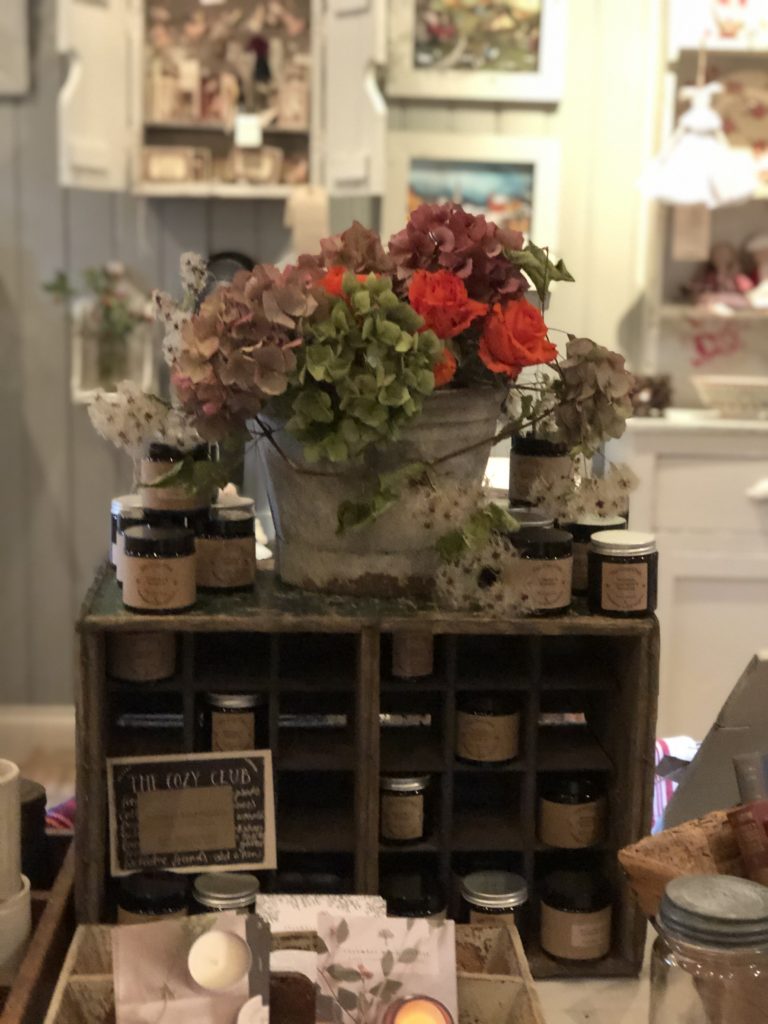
(116, 133)
(695, 474)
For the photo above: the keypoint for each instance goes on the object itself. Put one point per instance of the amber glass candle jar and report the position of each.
(141, 657)
(582, 530)
(572, 813)
(487, 728)
(157, 463)
(576, 912)
(494, 897)
(531, 459)
(623, 573)
(127, 517)
(234, 721)
(546, 567)
(403, 801)
(159, 570)
(118, 505)
(226, 550)
(151, 896)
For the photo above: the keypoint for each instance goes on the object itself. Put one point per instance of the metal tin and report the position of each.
(715, 910)
(225, 890)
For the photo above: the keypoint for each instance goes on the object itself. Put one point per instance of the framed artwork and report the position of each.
(514, 182)
(720, 24)
(511, 51)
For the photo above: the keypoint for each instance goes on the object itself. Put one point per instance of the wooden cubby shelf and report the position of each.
(586, 686)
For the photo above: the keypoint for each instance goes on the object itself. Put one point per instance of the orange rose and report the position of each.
(333, 281)
(445, 368)
(515, 336)
(441, 300)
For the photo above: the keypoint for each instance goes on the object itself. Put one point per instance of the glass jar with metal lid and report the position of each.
(234, 721)
(116, 506)
(403, 808)
(225, 890)
(623, 573)
(531, 459)
(582, 530)
(710, 961)
(494, 897)
(546, 568)
(151, 896)
(226, 550)
(159, 570)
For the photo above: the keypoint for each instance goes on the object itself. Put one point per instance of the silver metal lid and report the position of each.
(226, 890)
(404, 783)
(125, 501)
(234, 501)
(623, 543)
(716, 910)
(494, 890)
(531, 517)
(605, 521)
(236, 701)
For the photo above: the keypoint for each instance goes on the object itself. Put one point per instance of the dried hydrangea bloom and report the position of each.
(446, 237)
(127, 417)
(194, 273)
(593, 395)
(358, 249)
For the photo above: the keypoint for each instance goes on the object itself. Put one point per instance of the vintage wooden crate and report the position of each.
(53, 922)
(494, 980)
(318, 654)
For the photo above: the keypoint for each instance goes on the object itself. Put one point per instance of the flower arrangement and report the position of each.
(341, 351)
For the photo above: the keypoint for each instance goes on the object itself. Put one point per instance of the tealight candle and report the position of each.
(219, 960)
(418, 1010)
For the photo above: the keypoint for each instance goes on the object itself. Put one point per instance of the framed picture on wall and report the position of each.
(511, 51)
(512, 181)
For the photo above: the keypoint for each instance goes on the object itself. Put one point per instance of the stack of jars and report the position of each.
(169, 541)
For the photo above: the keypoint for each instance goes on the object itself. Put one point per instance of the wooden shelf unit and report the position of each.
(312, 653)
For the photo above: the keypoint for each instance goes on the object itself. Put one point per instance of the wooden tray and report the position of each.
(53, 924)
(494, 980)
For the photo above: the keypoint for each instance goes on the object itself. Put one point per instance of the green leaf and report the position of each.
(394, 395)
(537, 266)
(361, 301)
(389, 989)
(342, 930)
(387, 300)
(425, 382)
(389, 332)
(336, 449)
(339, 973)
(314, 406)
(368, 327)
(404, 342)
(369, 411)
(350, 284)
(398, 478)
(387, 963)
(324, 1005)
(319, 357)
(340, 316)
(347, 999)
(408, 956)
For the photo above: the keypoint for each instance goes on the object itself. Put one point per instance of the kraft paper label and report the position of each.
(480, 917)
(525, 470)
(128, 917)
(575, 936)
(159, 584)
(487, 737)
(624, 587)
(402, 817)
(547, 582)
(172, 821)
(580, 567)
(226, 563)
(571, 826)
(233, 730)
(166, 499)
(141, 657)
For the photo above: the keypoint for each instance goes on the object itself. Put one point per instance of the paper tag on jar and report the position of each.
(624, 587)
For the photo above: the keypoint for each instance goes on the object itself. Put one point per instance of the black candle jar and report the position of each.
(159, 570)
(151, 896)
(494, 897)
(404, 810)
(225, 890)
(576, 913)
(226, 550)
(531, 459)
(582, 530)
(546, 564)
(572, 812)
(234, 721)
(126, 518)
(623, 573)
(487, 728)
(413, 894)
(118, 505)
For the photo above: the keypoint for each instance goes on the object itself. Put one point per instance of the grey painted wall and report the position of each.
(58, 477)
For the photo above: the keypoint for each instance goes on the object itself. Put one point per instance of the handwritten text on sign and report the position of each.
(191, 813)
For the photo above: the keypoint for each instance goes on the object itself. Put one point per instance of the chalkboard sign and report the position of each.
(191, 812)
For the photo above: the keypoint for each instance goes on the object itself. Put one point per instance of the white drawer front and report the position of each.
(710, 494)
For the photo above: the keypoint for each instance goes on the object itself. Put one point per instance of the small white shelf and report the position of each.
(689, 311)
(211, 190)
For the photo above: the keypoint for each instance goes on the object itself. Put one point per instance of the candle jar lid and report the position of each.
(585, 527)
(129, 517)
(716, 910)
(159, 452)
(572, 789)
(623, 543)
(494, 890)
(538, 542)
(527, 444)
(153, 892)
(235, 701)
(578, 892)
(161, 542)
(229, 522)
(124, 503)
(412, 894)
(225, 500)
(226, 890)
(404, 783)
(530, 518)
(495, 703)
